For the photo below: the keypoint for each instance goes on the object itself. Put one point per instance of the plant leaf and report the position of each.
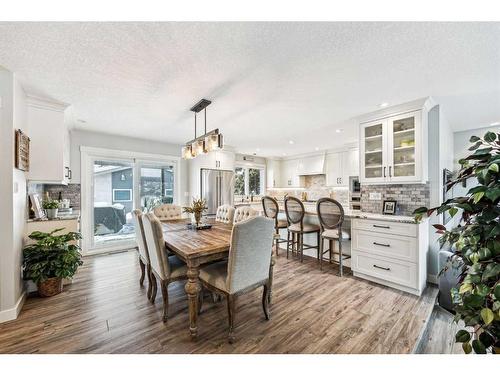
(462, 336)
(487, 315)
(466, 347)
(478, 347)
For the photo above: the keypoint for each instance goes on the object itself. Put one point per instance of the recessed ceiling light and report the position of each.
(383, 105)
(257, 149)
(495, 123)
(291, 142)
(317, 148)
(339, 130)
(284, 154)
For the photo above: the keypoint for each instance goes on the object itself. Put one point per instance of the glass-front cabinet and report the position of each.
(391, 149)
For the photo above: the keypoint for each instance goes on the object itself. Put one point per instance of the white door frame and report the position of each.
(88, 155)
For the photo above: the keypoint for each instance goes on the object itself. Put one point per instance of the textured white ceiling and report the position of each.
(269, 82)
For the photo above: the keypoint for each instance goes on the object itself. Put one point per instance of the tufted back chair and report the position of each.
(244, 213)
(139, 235)
(225, 214)
(158, 256)
(168, 212)
(250, 253)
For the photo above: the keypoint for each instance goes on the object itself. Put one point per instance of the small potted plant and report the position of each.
(197, 208)
(51, 207)
(50, 259)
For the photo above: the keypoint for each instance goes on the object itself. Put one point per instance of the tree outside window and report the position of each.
(239, 181)
(254, 181)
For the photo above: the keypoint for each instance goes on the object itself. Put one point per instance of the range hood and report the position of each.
(311, 165)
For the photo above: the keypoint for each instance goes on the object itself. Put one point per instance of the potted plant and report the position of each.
(196, 209)
(476, 240)
(51, 207)
(51, 259)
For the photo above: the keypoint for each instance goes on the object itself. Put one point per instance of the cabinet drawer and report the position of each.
(399, 247)
(386, 227)
(396, 271)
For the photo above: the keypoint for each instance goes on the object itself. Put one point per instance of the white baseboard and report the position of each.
(433, 279)
(13, 313)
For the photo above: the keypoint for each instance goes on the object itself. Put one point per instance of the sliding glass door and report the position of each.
(112, 187)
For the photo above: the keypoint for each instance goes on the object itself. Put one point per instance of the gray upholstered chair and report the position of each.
(247, 268)
(244, 213)
(166, 268)
(168, 212)
(140, 238)
(271, 210)
(225, 214)
(331, 217)
(295, 212)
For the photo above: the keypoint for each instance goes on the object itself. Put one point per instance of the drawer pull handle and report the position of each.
(382, 244)
(382, 226)
(382, 268)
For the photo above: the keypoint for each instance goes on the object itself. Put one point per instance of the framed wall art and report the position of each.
(22, 151)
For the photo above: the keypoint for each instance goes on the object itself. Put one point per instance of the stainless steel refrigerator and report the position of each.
(217, 188)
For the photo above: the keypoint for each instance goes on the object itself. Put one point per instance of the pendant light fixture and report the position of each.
(207, 142)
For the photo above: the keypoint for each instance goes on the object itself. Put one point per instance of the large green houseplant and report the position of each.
(50, 259)
(476, 241)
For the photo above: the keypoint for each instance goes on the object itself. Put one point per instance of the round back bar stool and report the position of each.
(331, 217)
(271, 210)
(295, 212)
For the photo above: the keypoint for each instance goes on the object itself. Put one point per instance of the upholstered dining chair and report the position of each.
(247, 267)
(295, 212)
(168, 212)
(271, 210)
(166, 268)
(225, 214)
(144, 262)
(243, 213)
(331, 217)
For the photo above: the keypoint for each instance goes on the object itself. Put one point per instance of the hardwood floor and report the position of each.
(439, 336)
(105, 311)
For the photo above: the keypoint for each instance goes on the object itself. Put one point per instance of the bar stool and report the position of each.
(331, 217)
(271, 210)
(295, 212)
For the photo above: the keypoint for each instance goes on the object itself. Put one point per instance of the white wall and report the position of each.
(13, 197)
(114, 142)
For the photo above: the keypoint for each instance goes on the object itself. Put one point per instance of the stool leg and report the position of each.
(277, 241)
(287, 244)
(321, 254)
(318, 236)
(330, 250)
(340, 259)
(301, 239)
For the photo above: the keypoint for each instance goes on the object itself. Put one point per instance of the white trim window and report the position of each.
(249, 180)
(124, 195)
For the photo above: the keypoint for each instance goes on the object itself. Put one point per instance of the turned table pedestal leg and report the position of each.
(193, 289)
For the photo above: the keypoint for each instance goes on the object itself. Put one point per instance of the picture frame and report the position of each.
(36, 204)
(22, 151)
(389, 207)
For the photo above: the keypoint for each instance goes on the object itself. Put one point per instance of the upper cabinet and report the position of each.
(311, 165)
(215, 160)
(273, 179)
(289, 173)
(49, 146)
(340, 166)
(392, 149)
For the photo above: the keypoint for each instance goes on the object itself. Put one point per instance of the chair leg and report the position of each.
(230, 314)
(164, 293)
(150, 282)
(143, 272)
(265, 300)
(154, 288)
(271, 276)
(200, 300)
(277, 242)
(330, 251)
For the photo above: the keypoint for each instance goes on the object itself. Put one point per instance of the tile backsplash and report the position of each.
(70, 191)
(408, 197)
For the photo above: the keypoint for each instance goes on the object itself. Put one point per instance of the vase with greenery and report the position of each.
(476, 244)
(51, 207)
(196, 209)
(50, 259)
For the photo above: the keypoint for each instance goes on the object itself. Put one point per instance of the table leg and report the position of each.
(193, 289)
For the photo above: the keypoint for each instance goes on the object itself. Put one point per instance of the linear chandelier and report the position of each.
(205, 143)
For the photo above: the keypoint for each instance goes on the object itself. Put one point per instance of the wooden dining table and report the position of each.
(196, 247)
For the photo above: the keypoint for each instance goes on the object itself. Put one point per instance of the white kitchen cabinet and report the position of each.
(392, 149)
(216, 160)
(273, 175)
(334, 173)
(49, 146)
(289, 173)
(391, 253)
(350, 164)
(311, 165)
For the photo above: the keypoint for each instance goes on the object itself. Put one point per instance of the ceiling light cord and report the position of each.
(205, 110)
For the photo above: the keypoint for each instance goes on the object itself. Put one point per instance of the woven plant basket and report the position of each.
(50, 287)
